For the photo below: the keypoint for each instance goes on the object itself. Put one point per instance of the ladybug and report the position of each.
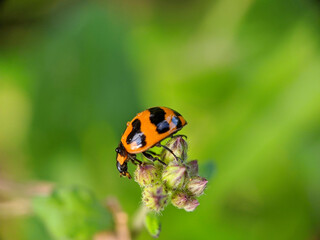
(146, 130)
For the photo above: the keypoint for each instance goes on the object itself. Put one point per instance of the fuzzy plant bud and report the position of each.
(193, 168)
(174, 175)
(196, 185)
(155, 197)
(191, 204)
(178, 146)
(179, 199)
(146, 174)
(183, 200)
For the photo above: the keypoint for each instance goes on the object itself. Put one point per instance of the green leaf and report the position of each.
(72, 213)
(153, 225)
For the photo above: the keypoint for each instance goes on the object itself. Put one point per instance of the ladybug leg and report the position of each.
(180, 135)
(134, 160)
(169, 150)
(152, 158)
(152, 152)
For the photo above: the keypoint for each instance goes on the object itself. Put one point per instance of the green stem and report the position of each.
(138, 221)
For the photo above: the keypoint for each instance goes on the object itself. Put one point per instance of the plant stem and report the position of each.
(138, 221)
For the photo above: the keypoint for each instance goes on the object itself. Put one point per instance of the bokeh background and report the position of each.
(245, 74)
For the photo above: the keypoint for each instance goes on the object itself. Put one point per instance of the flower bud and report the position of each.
(146, 174)
(183, 200)
(179, 199)
(196, 185)
(192, 168)
(155, 197)
(178, 146)
(174, 175)
(191, 204)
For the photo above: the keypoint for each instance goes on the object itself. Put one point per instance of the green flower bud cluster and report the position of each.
(177, 182)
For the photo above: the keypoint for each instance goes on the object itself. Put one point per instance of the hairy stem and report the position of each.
(138, 221)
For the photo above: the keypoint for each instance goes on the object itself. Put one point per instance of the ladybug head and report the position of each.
(122, 157)
(123, 170)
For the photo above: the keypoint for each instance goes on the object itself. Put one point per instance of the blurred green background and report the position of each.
(245, 74)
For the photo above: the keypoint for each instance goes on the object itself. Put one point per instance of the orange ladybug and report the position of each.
(145, 131)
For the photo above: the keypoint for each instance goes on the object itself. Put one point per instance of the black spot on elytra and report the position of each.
(157, 117)
(163, 127)
(136, 135)
(136, 125)
(176, 113)
(176, 121)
